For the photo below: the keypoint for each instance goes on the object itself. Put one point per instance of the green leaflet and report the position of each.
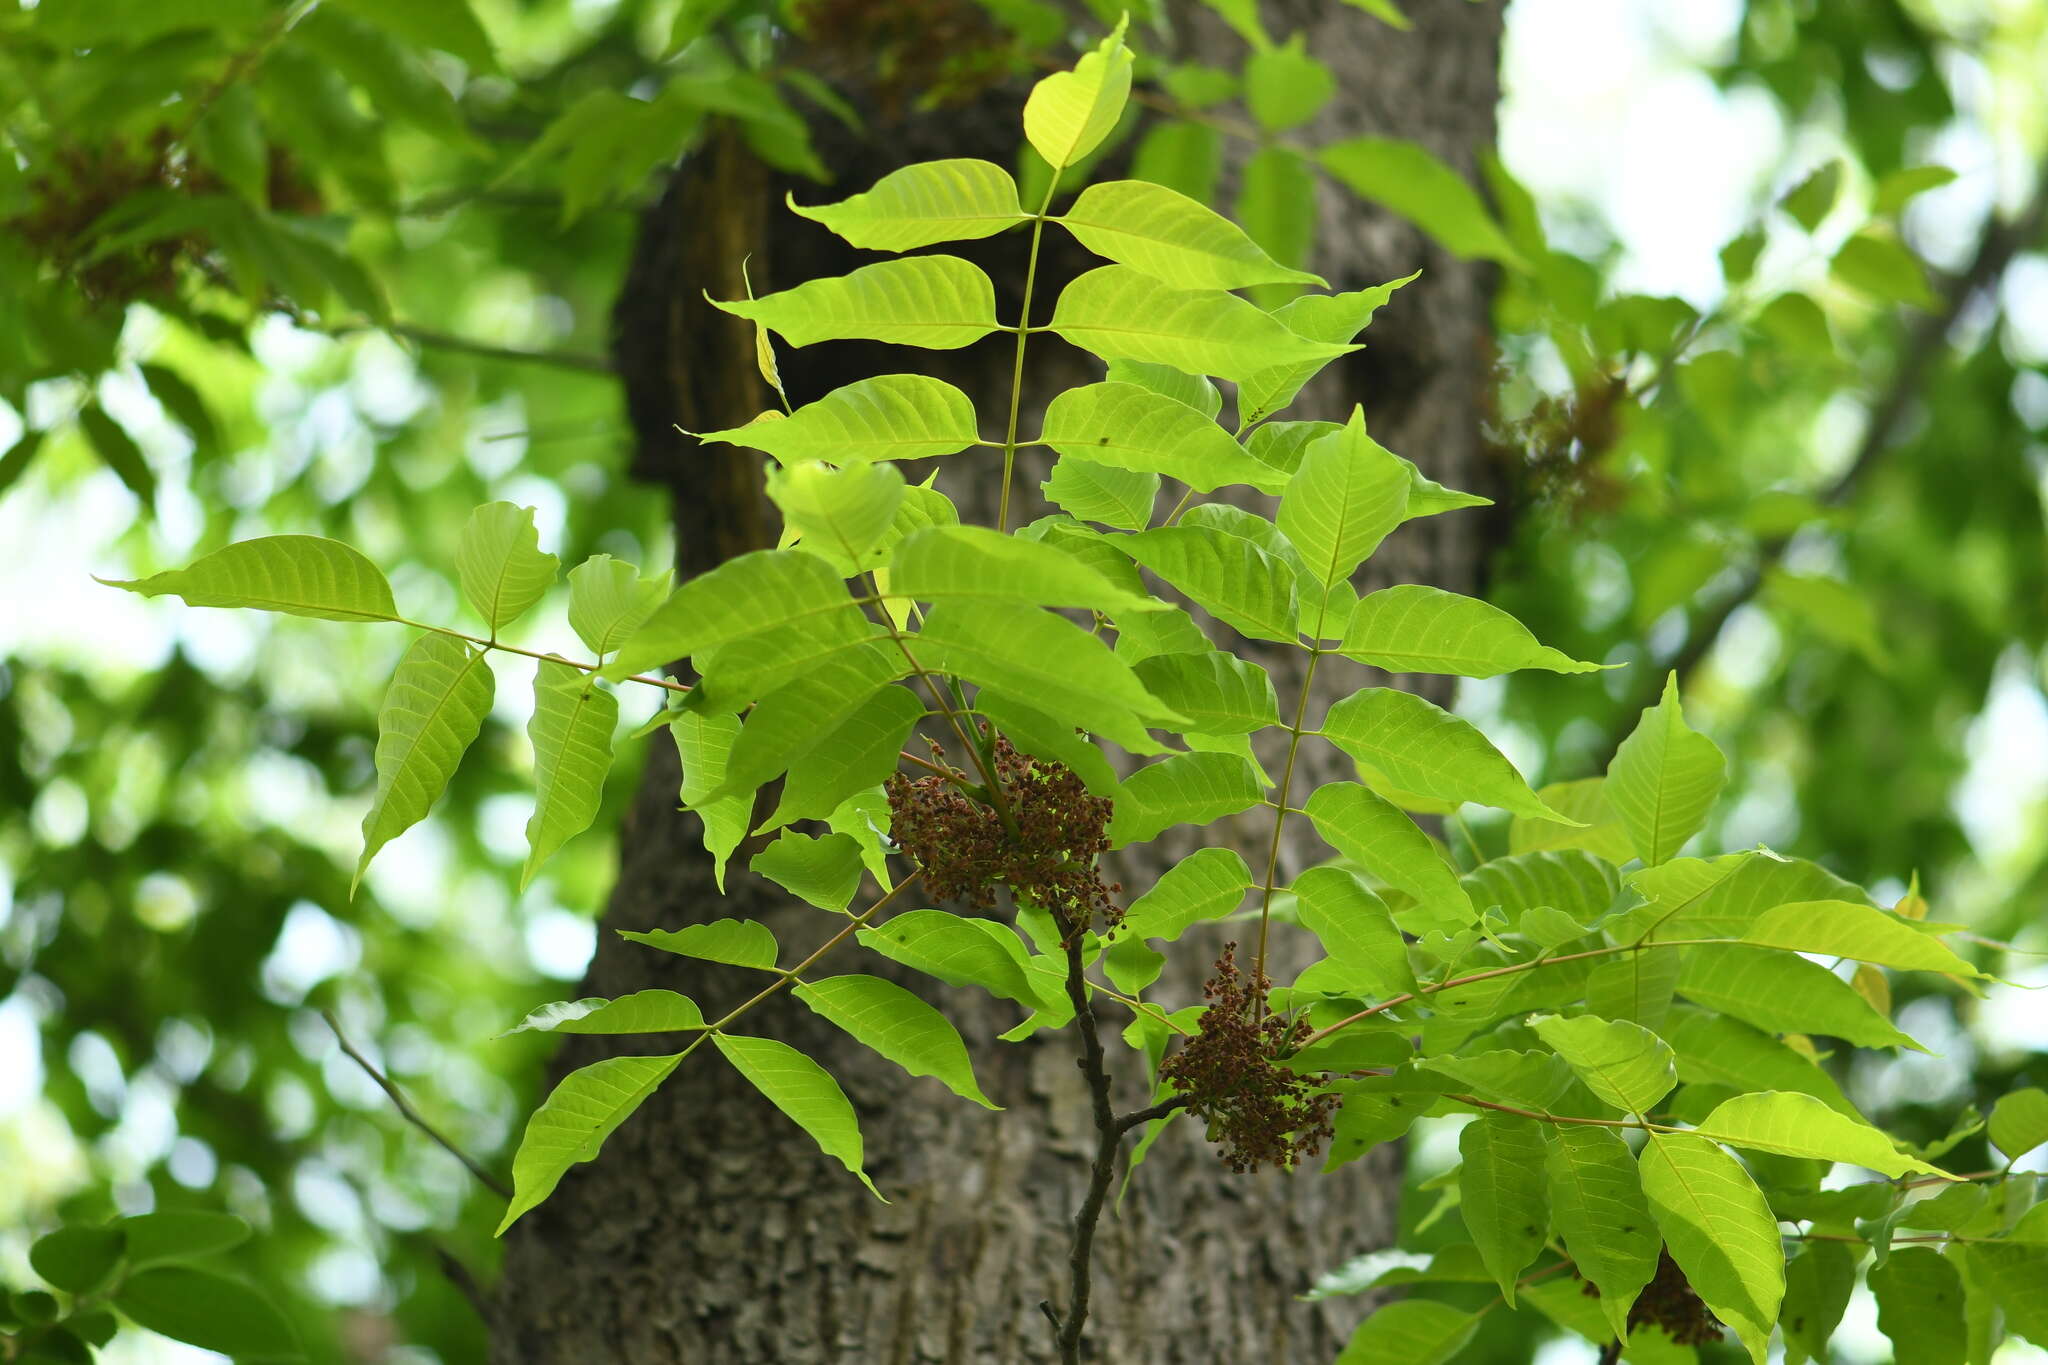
(1818, 1283)
(895, 1023)
(1123, 498)
(1130, 426)
(743, 671)
(796, 718)
(739, 942)
(1714, 1049)
(1232, 579)
(744, 596)
(1172, 238)
(1781, 993)
(860, 753)
(1219, 693)
(207, 1310)
(1624, 1064)
(573, 1122)
(959, 950)
(888, 417)
(1028, 652)
(1572, 882)
(2019, 1122)
(1362, 945)
(1284, 88)
(77, 1259)
(1600, 834)
(1920, 1307)
(940, 303)
(1036, 733)
(803, 1090)
(840, 515)
(1413, 1332)
(1861, 932)
(1527, 1080)
(1347, 495)
(608, 599)
(1378, 837)
(431, 714)
(2013, 1276)
(571, 729)
(1720, 1231)
(1637, 987)
(502, 569)
(1664, 779)
(823, 870)
(1276, 202)
(1069, 113)
(1416, 629)
(1420, 188)
(1183, 789)
(704, 743)
(1124, 314)
(296, 575)
(641, 1012)
(1423, 748)
(1504, 1197)
(1335, 318)
(953, 200)
(1207, 884)
(946, 563)
(1722, 897)
(1596, 1198)
(1192, 389)
(1793, 1124)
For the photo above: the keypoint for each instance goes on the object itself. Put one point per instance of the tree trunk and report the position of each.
(710, 1229)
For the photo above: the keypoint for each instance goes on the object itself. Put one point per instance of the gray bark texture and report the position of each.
(711, 1230)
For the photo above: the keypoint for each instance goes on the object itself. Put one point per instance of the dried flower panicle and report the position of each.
(965, 852)
(1259, 1110)
(1669, 1301)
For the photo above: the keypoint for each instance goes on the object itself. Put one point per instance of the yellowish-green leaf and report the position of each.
(1413, 1332)
(1230, 578)
(822, 870)
(1720, 1231)
(888, 417)
(1207, 884)
(1429, 194)
(953, 200)
(1120, 313)
(940, 303)
(432, 711)
(974, 563)
(1421, 747)
(1412, 628)
(1780, 992)
(1172, 238)
(1861, 932)
(571, 729)
(608, 599)
(640, 1012)
(797, 717)
(297, 575)
(1793, 1124)
(1598, 830)
(1347, 495)
(1624, 1064)
(1069, 113)
(1335, 318)
(1714, 1049)
(1182, 789)
(746, 595)
(1123, 498)
(1386, 843)
(502, 568)
(1219, 693)
(839, 514)
(2019, 1122)
(704, 743)
(803, 1090)
(572, 1124)
(959, 950)
(860, 753)
(898, 1025)
(1664, 779)
(1133, 427)
(739, 942)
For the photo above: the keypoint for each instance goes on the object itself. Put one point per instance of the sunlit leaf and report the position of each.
(1412, 628)
(502, 568)
(959, 950)
(1413, 1331)
(1136, 428)
(898, 1025)
(573, 1122)
(1720, 1231)
(1174, 239)
(1792, 1124)
(952, 200)
(840, 514)
(1207, 884)
(1181, 789)
(1596, 1197)
(571, 729)
(608, 599)
(1379, 838)
(650, 1011)
(431, 714)
(1219, 693)
(1664, 779)
(1347, 495)
(860, 753)
(2019, 1122)
(888, 417)
(744, 596)
(1423, 748)
(824, 870)
(1069, 113)
(740, 942)
(1232, 579)
(1860, 932)
(1624, 1064)
(956, 563)
(297, 575)
(1120, 313)
(940, 303)
(1335, 318)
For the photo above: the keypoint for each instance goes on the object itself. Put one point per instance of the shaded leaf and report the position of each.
(898, 1025)
(1720, 1231)
(431, 714)
(740, 942)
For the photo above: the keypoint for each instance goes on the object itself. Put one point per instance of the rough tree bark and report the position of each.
(711, 1230)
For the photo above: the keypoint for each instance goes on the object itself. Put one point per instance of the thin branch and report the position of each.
(1109, 1136)
(2000, 242)
(447, 341)
(410, 1114)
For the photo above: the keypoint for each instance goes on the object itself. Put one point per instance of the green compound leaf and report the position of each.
(2019, 1122)
(1596, 1198)
(1818, 1284)
(1792, 1124)
(1413, 1331)
(1664, 779)
(209, 1311)
(648, 1011)
(2012, 1276)
(796, 718)
(858, 755)
(840, 515)
(940, 303)
(953, 200)
(1720, 1231)
(1624, 1064)
(1219, 693)
(1505, 1198)
(1347, 495)
(1130, 426)
(1723, 897)
(431, 714)
(740, 942)
(1230, 578)
(1860, 932)
(746, 595)
(1572, 882)
(1172, 238)
(1064, 670)
(903, 1028)
(1529, 1080)
(1069, 113)
(1422, 748)
(1335, 318)
(176, 1236)
(1207, 884)
(573, 1122)
(1365, 828)
(77, 1259)
(824, 870)
(959, 950)
(296, 575)
(1182, 789)
(1599, 831)
(704, 743)
(888, 417)
(1429, 194)
(1920, 1307)
(1124, 314)
(608, 599)
(1714, 1049)
(1417, 629)
(1123, 498)
(571, 729)
(499, 560)
(947, 563)
(1782, 993)
(1192, 389)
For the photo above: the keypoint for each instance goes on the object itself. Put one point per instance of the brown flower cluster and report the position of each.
(1668, 1301)
(1260, 1111)
(966, 852)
